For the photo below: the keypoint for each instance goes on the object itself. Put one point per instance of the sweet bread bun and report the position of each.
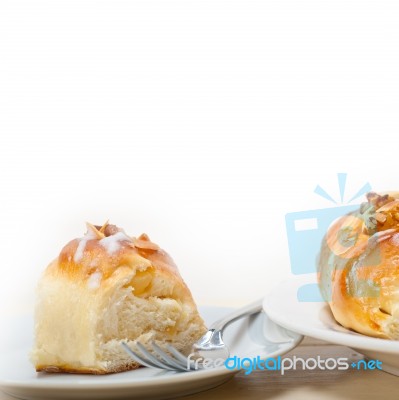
(359, 267)
(106, 288)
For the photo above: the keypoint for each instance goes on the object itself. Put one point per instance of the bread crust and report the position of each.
(92, 371)
(360, 277)
(134, 253)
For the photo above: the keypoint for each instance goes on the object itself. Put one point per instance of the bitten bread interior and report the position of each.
(106, 288)
(359, 267)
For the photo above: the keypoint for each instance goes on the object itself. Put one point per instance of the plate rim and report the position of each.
(350, 338)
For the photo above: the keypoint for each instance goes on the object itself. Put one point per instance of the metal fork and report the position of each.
(210, 346)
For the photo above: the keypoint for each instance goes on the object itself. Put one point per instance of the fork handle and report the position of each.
(250, 309)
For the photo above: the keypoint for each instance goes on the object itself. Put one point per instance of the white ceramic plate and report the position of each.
(246, 338)
(316, 320)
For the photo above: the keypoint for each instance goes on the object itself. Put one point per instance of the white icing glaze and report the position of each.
(111, 243)
(93, 263)
(94, 280)
(395, 239)
(82, 244)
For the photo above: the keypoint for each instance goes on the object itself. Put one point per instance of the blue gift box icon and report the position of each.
(306, 230)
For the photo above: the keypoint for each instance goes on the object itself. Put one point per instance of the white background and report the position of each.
(201, 123)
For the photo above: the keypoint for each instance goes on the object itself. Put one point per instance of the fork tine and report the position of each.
(142, 360)
(153, 359)
(181, 357)
(170, 360)
(176, 353)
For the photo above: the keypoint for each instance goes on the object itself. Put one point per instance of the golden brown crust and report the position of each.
(359, 268)
(59, 369)
(135, 253)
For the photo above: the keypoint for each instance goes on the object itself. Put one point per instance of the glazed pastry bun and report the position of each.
(104, 289)
(359, 267)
